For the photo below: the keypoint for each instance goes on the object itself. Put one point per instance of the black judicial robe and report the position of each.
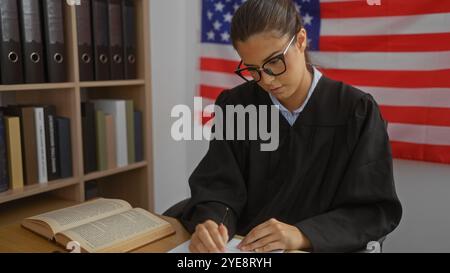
(331, 175)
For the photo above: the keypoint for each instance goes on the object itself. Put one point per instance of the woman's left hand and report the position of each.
(274, 235)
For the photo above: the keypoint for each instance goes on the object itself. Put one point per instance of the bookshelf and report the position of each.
(133, 183)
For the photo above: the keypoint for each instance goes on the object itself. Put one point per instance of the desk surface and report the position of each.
(14, 238)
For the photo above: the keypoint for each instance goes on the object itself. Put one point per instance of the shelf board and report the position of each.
(101, 174)
(36, 189)
(36, 86)
(112, 83)
(19, 209)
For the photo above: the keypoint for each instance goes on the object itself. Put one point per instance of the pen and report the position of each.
(225, 216)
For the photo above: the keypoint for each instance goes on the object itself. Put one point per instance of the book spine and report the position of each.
(117, 109)
(53, 147)
(138, 136)
(29, 150)
(63, 141)
(101, 141)
(130, 131)
(91, 190)
(14, 152)
(110, 141)
(121, 133)
(40, 147)
(4, 178)
(52, 168)
(89, 137)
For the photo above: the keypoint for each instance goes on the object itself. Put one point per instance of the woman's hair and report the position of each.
(257, 16)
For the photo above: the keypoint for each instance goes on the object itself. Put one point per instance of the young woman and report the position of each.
(328, 187)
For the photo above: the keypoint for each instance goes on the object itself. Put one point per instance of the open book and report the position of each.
(101, 225)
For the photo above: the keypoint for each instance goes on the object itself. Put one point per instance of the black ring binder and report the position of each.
(103, 59)
(13, 57)
(55, 43)
(58, 58)
(35, 57)
(86, 58)
(117, 59)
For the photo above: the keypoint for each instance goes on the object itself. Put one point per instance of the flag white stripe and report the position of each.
(424, 61)
(420, 97)
(222, 80)
(216, 51)
(420, 134)
(398, 61)
(390, 25)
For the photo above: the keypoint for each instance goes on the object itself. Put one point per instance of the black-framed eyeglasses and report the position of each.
(275, 66)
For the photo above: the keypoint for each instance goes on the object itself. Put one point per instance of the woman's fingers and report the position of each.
(196, 245)
(258, 232)
(205, 238)
(261, 243)
(224, 233)
(277, 245)
(214, 233)
(212, 236)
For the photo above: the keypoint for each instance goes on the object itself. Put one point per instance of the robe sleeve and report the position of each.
(217, 183)
(366, 206)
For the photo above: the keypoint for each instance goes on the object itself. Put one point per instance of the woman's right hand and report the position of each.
(209, 237)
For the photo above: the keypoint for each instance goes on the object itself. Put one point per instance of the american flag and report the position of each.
(398, 51)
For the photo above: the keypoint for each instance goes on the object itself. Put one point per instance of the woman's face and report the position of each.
(257, 49)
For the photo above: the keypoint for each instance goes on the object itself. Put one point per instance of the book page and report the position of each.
(231, 247)
(70, 217)
(98, 235)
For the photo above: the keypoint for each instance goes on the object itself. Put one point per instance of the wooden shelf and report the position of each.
(101, 174)
(17, 210)
(111, 83)
(37, 86)
(37, 189)
(67, 97)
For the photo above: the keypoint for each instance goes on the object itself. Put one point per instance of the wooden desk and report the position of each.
(16, 239)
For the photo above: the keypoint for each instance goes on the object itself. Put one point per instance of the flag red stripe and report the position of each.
(386, 43)
(218, 65)
(210, 92)
(398, 114)
(358, 9)
(424, 152)
(417, 115)
(405, 79)
(205, 118)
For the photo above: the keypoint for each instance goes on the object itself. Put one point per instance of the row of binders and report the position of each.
(33, 41)
(35, 146)
(106, 39)
(112, 134)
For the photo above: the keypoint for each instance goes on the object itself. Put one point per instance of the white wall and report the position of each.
(174, 26)
(423, 188)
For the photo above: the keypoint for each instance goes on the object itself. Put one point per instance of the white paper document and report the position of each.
(231, 247)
